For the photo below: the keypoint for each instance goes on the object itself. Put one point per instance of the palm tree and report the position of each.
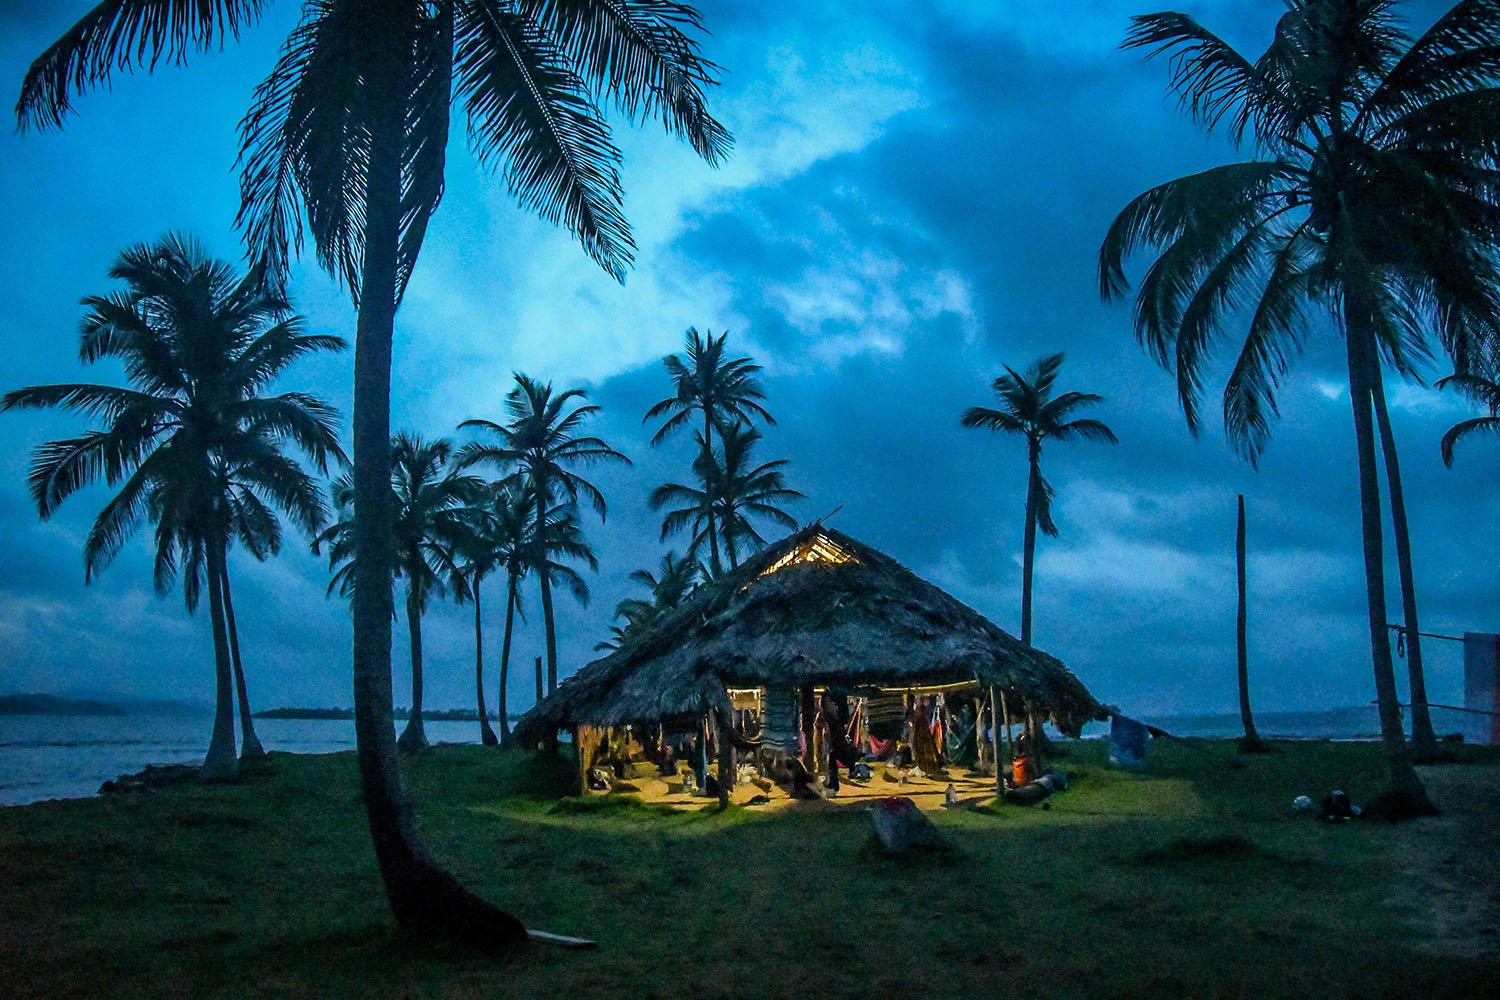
(480, 549)
(695, 507)
(353, 124)
(512, 537)
(1028, 408)
(730, 494)
(562, 542)
(743, 491)
(668, 588)
(1482, 391)
(1371, 200)
(193, 444)
(432, 504)
(540, 443)
(246, 517)
(721, 390)
(1424, 745)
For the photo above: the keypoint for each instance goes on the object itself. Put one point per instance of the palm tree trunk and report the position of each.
(219, 764)
(1423, 740)
(486, 734)
(424, 898)
(510, 617)
(715, 566)
(414, 736)
(1251, 743)
(1406, 794)
(250, 748)
(545, 580)
(1028, 545)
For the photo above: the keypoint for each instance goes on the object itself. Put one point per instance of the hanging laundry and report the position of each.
(1127, 742)
(780, 732)
(1481, 723)
(886, 713)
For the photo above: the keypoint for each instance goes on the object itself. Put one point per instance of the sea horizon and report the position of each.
(44, 757)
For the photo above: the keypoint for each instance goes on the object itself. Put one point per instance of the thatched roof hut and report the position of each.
(816, 608)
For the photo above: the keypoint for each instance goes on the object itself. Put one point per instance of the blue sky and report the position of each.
(917, 197)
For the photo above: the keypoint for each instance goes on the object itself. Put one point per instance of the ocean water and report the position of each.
(69, 756)
(61, 757)
(1358, 723)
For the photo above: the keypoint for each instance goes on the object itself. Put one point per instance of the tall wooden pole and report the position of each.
(1252, 738)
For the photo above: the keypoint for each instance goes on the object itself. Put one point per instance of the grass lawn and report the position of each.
(1194, 879)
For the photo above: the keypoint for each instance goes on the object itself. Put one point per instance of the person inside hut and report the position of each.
(836, 736)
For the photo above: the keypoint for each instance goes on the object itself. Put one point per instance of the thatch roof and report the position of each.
(817, 607)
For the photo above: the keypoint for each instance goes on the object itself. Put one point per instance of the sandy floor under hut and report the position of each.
(929, 792)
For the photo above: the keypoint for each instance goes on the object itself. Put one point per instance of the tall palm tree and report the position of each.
(480, 553)
(744, 491)
(731, 492)
(353, 124)
(722, 391)
(540, 442)
(1370, 200)
(1481, 390)
(1424, 745)
(192, 444)
(667, 589)
(244, 516)
(432, 504)
(513, 531)
(1029, 408)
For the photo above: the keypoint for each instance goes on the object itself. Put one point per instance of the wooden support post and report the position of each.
(809, 717)
(583, 766)
(1010, 743)
(995, 740)
(726, 760)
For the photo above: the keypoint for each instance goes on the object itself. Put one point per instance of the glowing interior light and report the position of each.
(819, 548)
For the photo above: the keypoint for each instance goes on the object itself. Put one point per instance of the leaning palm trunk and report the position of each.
(414, 736)
(1423, 739)
(250, 748)
(424, 898)
(510, 618)
(219, 764)
(1406, 794)
(486, 734)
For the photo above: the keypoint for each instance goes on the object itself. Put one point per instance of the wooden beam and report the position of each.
(559, 940)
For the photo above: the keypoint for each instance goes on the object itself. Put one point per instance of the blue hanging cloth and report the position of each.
(1127, 742)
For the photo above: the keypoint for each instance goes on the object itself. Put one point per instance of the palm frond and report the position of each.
(531, 116)
(1209, 76)
(643, 59)
(123, 35)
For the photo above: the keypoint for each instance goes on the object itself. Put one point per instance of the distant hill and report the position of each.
(439, 715)
(46, 704)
